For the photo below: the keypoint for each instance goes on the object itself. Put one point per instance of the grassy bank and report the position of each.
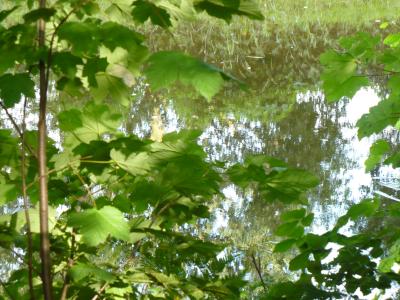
(350, 12)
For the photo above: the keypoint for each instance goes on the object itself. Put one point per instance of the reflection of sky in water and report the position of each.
(231, 139)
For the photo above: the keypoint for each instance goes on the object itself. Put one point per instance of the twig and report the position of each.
(6, 290)
(53, 36)
(67, 279)
(87, 187)
(258, 269)
(100, 291)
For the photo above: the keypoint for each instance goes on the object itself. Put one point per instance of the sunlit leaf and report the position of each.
(94, 121)
(135, 163)
(81, 271)
(96, 225)
(340, 78)
(168, 67)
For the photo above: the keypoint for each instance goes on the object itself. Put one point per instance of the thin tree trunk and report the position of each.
(44, 213)
(26, 207)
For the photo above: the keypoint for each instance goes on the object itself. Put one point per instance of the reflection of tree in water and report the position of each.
(309, 137)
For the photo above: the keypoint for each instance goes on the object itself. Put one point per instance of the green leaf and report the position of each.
(65, 63)
(34, 216)
(393, 160)
(299, 262)
(144, 10)
(92, 67)
(8, 193)
(96, 225)
(81, 271)
(111, 88)
(82, 36)
(379, 117)
(69, 120)
(365, 208)
(376, 152)
(40, 13)
(226, 9)
(5, 13)
(135, 163)
(291, 229)
(114, 35)
(284, 245)
(392, 40)
(94, 121)
(167, 67)
(293, 215)
(9, 149)
(306, 221)
(339, 77)
(12, 87)
(288, 185)
(164, 279)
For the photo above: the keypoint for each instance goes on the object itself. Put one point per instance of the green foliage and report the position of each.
(96, 225)
(122, 210)
(273, 179)
(12, 87)
(125, 211)
(363, 258)
(340, 78)
(226, 9)
(379, 117)
(377, 150)
(144, 10)
(167, 67)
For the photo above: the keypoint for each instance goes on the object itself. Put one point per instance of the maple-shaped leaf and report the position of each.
(90, 124)
(40, 13)
(13, 86)
(384, 114)
(224, 9)
(167, 67)
(96, 225)
(144, 10)
(340, 78)
(82, 36)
